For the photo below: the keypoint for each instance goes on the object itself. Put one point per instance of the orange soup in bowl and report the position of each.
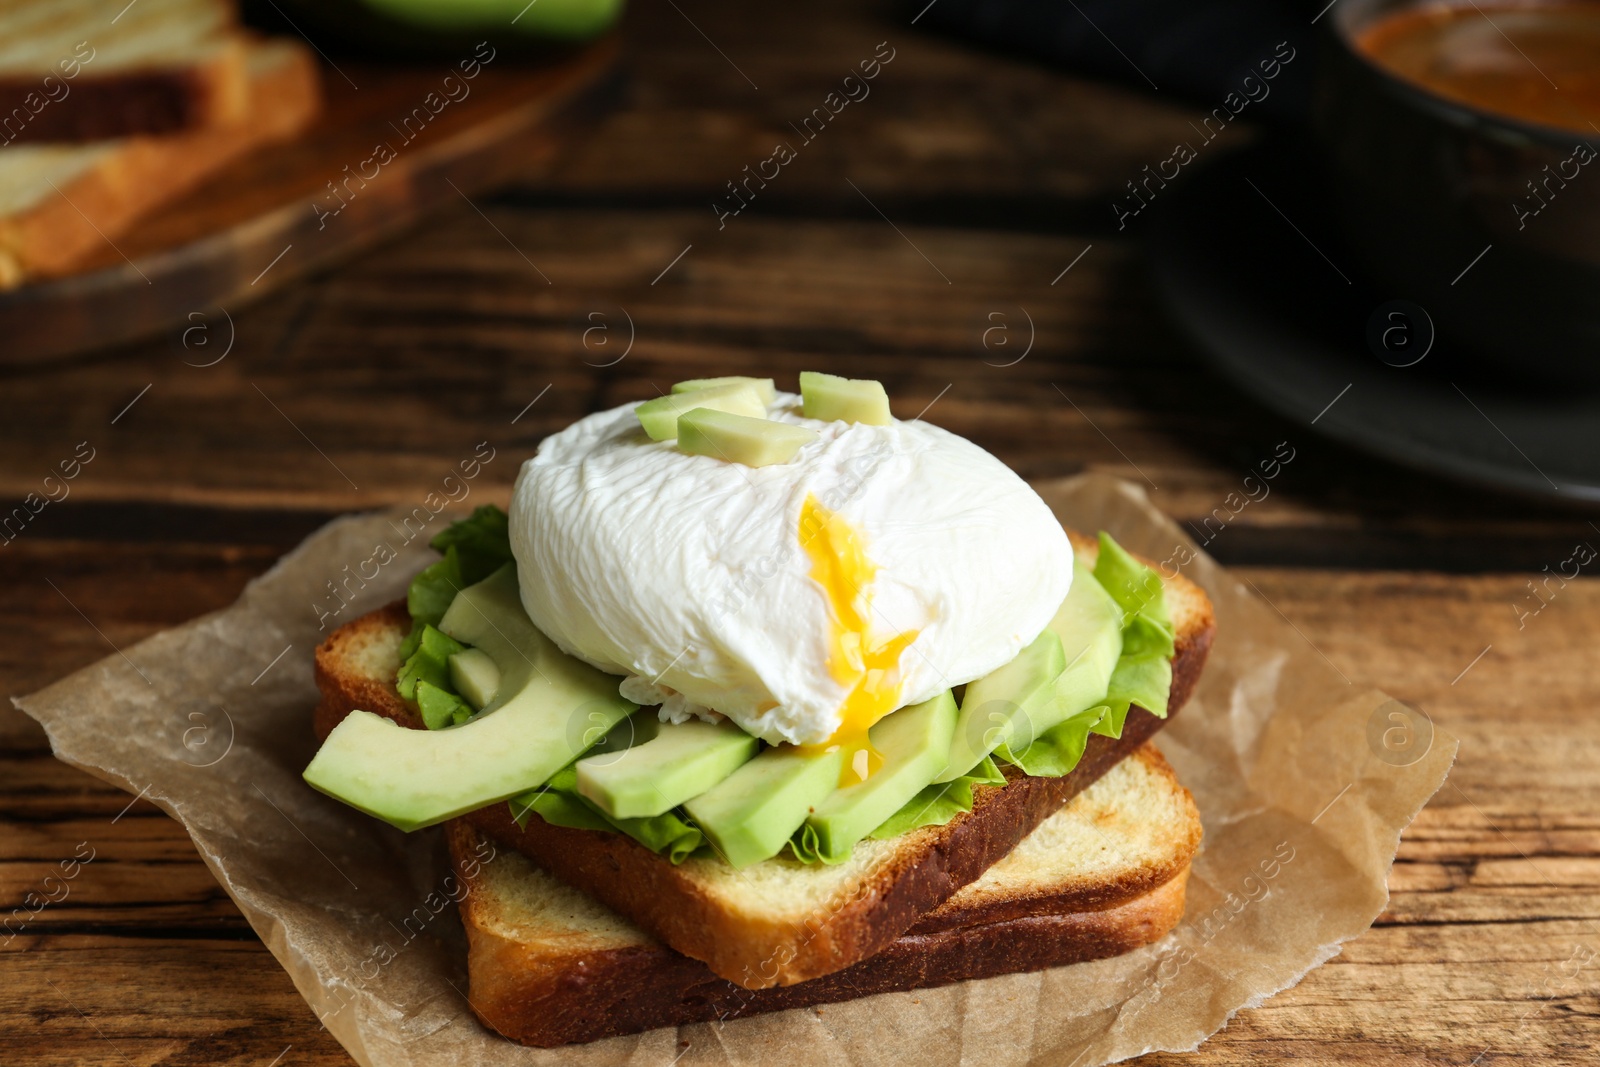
(1538, 62)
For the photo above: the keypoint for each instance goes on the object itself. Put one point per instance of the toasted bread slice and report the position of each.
(86, 70)
(548, 965)
(779, 921)
(60, 202)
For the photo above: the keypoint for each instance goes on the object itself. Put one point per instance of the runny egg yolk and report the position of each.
(871, 670)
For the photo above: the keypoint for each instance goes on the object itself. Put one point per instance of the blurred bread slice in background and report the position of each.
(87, 70)
(60, 202)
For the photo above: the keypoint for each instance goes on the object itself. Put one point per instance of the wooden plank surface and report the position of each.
(363, 387)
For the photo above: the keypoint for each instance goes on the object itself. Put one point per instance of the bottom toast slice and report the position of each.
(548, 965)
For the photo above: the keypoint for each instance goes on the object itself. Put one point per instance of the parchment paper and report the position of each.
(1304, 783)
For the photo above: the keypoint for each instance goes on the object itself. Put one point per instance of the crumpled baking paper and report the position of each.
(1304, 783)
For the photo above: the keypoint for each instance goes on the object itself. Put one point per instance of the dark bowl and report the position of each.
(1433, 194)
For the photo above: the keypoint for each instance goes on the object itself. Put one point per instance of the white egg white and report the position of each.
(686, 574)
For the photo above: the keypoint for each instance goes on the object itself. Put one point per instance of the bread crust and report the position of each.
(343, 691)
(137, 102)
(757, 952)
(1100, 894)
(538, 996)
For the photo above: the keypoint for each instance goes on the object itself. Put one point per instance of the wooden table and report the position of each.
(954, 193)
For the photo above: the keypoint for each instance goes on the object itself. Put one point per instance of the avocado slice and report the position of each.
(1089, 624)
(659, 417)
(475, 676)
(548, 708)
(739, 438)
(765, 388)
(915, 744)
(834, 399)
(749, 815)
(680, 762)
(631, 732)
(440, 707)
(996, 708)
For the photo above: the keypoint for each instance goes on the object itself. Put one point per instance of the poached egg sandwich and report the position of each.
(881, 565)
(737, 656)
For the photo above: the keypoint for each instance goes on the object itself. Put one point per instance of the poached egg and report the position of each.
(804, 600)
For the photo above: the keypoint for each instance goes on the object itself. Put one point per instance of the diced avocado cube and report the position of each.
(680, 762)
(996, 709)
(915, 745)
(475, 676)
(429, 663)
(739, 438)
(835, 399)
(440, 708)
(749, 815)
(544, 714)
(764, 387)
(659, 417)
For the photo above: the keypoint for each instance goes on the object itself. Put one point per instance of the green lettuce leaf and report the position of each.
(1137, 589)
(938, 804)
(1057, 751)
(429, 596)
(806, 848)
(667, 835)
(558, 803)
(557, 809)
(1142, 676)
(434, 587)
(473, 548)
(1142, 680)
(482, 544)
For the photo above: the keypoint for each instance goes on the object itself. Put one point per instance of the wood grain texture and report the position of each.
(398, 363)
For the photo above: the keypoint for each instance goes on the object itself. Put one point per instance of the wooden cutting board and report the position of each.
(382, 153)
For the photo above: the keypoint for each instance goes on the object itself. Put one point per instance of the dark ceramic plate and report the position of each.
(1249, 262)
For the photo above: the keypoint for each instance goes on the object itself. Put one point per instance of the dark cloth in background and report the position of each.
(1195, 50)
